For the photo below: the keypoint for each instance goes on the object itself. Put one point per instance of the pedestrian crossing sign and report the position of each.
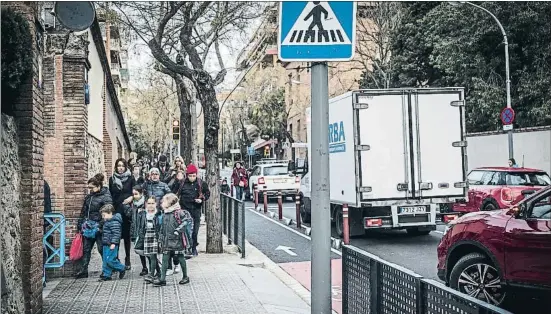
(316, 30)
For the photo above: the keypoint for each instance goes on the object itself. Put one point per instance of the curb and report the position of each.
(336, 243)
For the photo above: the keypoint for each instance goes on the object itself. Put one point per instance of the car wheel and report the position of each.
(338, 222)
(477, 277)
(417, 232)
(490, 205)
(305, 218)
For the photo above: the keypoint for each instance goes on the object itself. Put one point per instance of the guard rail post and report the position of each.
(280, 205)
(265, 202)
(345, 225)
(297, 203)
(255, 197)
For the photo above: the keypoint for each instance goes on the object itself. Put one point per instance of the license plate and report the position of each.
(278, 181)
(413, 209)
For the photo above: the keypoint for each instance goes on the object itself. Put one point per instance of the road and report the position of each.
(416, 253)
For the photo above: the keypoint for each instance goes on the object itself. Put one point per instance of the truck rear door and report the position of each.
(439, 148)
(410, 144)
(382, 145)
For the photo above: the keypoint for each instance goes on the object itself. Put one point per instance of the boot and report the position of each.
(184, 280)
(157, 282)
(104, 279)
(144, 272)
(81, 274)
(195, 251)
(127, 263)
(149, 279)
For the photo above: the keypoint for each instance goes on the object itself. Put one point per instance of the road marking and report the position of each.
(291, 229)
(442, 233)
(286, 249)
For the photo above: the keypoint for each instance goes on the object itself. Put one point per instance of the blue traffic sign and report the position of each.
(316, 31)
(251, 151)
(507, 116)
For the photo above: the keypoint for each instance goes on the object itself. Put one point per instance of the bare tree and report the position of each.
(377, 21)
(181, 37)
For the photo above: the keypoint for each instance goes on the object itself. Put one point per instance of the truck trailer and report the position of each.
(397, 159)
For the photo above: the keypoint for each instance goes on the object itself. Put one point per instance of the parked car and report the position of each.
(493, 188)
(490, 255)
(271, 176)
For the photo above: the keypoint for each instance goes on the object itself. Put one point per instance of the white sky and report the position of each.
(139, 57)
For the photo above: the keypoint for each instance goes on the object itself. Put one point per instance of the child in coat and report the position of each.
(148, 229)
(174, 237)
(111, 237)
(224, 187)
(134, 213)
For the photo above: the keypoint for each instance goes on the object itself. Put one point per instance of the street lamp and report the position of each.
(507, 78)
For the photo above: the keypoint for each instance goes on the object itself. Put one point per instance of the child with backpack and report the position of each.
(174, 236)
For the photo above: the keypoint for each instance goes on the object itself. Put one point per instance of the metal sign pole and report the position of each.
(321, 223)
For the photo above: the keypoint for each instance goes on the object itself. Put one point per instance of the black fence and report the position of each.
(373, 286)
(233, 220)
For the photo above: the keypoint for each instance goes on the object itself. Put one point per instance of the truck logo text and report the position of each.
(337, 138)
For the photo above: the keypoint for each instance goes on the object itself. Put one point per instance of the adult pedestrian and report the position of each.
(120, 186)
(193, 193)
(512, 163)
(137, 175)
(164, 169)
(90, 221)
(177, 166)
(239, 180)
(154, 187)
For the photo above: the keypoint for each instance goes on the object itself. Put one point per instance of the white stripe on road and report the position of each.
(291, 229)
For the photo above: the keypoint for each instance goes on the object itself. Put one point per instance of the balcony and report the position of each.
(116, 72)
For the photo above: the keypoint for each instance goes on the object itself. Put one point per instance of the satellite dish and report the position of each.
(75, 15)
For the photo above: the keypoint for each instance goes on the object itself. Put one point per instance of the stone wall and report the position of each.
(10, 198)
(94, 149)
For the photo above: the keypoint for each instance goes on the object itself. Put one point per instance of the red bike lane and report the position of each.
(301, 271)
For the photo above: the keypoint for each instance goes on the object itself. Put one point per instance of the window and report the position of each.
(528, 178)
(291, 129)
(497, 179)
(276, 170)
(542, 207)
(298, 128)
(475, 177)
(256, 171)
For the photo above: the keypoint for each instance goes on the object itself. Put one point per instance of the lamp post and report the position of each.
(507, 77)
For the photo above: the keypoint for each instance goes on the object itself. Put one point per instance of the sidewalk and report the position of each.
(220, 283)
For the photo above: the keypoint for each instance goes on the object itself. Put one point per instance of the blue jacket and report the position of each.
(156, 189)
(112, 229)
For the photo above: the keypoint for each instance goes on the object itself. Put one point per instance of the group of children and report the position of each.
(167, 232)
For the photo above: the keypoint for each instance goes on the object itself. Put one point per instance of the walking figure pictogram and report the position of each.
(315, 14)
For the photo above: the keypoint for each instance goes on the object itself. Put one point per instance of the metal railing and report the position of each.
(233, 221)
(54, 241)
(372, 285)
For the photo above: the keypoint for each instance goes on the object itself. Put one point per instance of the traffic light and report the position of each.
(176, 130)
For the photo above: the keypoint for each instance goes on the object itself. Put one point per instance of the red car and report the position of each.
(488, 254)
(500, 187)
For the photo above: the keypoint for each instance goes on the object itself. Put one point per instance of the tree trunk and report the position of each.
(194, 145)
(186, 127)
(207, 96)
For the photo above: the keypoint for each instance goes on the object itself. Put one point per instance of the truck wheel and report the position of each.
(338, 222)
(417, 232)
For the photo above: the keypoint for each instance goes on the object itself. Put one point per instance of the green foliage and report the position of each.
(270, 116)
(16, 53)
(440, 45)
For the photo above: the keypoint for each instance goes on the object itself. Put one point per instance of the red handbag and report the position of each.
(77, 248)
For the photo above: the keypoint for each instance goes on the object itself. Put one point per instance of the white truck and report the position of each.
(397, 158)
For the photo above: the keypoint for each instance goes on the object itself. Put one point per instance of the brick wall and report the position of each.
(109, 158)
(54, 161)
(28, 116)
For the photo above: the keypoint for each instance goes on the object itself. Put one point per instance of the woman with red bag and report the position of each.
(239, 180)
(89, 224)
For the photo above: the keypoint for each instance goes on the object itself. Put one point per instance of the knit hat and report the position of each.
(191, 169)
